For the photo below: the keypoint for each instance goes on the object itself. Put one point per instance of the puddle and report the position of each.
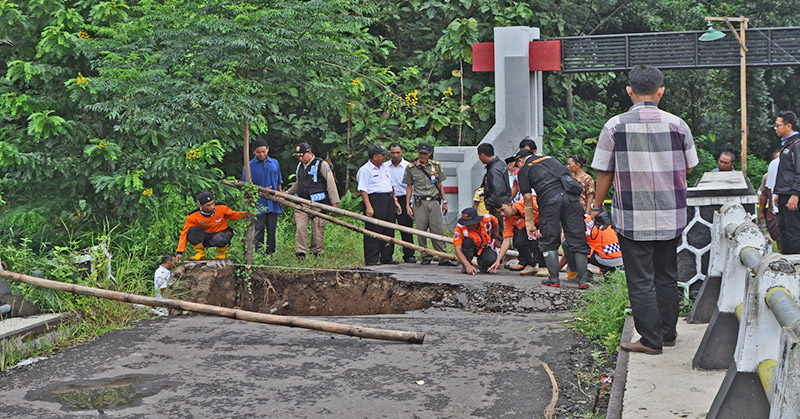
(102, 395)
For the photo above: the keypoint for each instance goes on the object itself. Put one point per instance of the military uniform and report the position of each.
(426, 201)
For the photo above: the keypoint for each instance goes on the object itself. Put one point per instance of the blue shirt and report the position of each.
(266, 173)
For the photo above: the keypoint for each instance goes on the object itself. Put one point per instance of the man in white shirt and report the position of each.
(375, 187)
(397, 169)
(162, 274)
(771, 213)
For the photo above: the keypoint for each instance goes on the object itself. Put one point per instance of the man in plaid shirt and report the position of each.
(647, 153)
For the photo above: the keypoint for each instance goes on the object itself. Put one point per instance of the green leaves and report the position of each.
(43, 125)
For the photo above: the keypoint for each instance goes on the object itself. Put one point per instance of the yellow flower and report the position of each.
(351, 105)
(103, 144)
(449, 91)
(83, 35)
(356, 82)
(80, 79)
(147, 192)
(411, 98)
(193, 154)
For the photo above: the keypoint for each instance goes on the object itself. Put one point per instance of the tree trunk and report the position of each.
(250, 234)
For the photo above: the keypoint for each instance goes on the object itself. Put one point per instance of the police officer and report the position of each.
(559, 207)
(314, 181)
(424, 178)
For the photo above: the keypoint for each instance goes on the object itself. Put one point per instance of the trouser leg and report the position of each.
(220, 239)
(638, 257)
(569, 256)
(196, 235)
(389, 215)
(271, 227)
(436, 224)
(422, 219)
(260, 226)
(373, 247)
(486, 258)
(405, 220)
(317, 235)
(666, 282)
(301, 235)
(789, 226)
(468, 248)
(524, 246)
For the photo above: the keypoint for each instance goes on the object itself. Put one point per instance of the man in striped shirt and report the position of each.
(647, 153)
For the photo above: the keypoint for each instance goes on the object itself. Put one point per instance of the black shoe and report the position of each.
(447, 263)
(425, 262)
(410, 259)
(391, 262)
(300, 256)
(316, 255)
(373, 263)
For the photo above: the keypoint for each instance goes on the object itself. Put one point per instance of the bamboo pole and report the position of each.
(307, 203)
(250, 316)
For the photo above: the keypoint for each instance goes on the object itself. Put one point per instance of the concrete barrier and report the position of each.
(764, 376)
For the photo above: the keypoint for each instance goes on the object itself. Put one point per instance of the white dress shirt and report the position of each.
(374, 179)
(772, 175)
(397, 173)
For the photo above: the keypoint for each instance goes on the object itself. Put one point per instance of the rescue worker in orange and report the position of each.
(474, 235)
(605, 252)
(206, 227)
(514, 226)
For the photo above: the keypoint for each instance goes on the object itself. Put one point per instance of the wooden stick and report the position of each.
(316, 205)
(550, 410)
(250, 316)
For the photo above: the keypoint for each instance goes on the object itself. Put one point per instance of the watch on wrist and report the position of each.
(444, 201)
(593, 208)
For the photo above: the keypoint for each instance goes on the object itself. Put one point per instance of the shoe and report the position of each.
(410, 259)
(584, 286)
(542, 273)
(671, 342)
(199, 252)
(222, 253)
(425, 262)
(528, 271)
(300, 256)
(551, 284)
(316, 255)
(373, 263)
(391, 262)
(516, 268)
(447, 263)
(639, 347)
(571, 275)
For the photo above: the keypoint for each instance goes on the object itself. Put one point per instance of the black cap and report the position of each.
(511, 159)
(301, 149)
(469, 216)
(523, 153)
(259, 143)
(425, 147)
(377, 149)
(204, 198)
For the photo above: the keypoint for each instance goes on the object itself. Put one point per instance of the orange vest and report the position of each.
(482, 236)
(603, 242)
(213, 224)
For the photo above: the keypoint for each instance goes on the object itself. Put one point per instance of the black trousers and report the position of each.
(651, 269)
(269, 222)
(196, 235)
(404, 220)
(486, 257)
(561, 211)
(378, 250)
(789, 225)
(529, 253)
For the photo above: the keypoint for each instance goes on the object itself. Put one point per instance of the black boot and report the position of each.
(551, 260)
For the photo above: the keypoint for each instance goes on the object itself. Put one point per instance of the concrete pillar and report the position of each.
(786, 403)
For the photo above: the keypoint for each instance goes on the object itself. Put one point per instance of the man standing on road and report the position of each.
(424, 189)
(647, 153)
(787, 183)
(496, 180)
(314, 181)
(265, 172)
(397, 169)
(375, 186)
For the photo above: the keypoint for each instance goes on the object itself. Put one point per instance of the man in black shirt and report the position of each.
(557, 209)
(787, 183)
(495, 182)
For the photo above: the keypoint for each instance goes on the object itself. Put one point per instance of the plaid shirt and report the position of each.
(649, 151)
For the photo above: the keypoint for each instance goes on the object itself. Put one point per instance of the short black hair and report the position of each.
(503, 200)
(729, 154)
(396, 145)
(486, 149)
(645, 79)
(527, 142)
(167, 257)
(261, 142)
(788, 117)
(578, 159)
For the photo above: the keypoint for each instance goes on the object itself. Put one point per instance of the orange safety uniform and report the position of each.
(603, 242)
(482, 236)
(519, 220)
(213, 224)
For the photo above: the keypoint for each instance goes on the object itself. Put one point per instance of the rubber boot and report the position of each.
(581, 266)
(222, 253)
(551, 260)
(199, 252)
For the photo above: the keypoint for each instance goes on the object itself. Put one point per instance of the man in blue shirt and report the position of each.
(266, 173)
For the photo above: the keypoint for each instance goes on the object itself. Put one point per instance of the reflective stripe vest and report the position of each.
(603, 242)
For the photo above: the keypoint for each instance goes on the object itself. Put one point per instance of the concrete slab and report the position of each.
(666, 386)
(22, 325)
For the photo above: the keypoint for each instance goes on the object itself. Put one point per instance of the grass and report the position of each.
(602, 317)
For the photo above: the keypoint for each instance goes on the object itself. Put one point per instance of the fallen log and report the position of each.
(250, 316)
(306, 204)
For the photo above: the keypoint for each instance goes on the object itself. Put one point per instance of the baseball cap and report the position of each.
(204, 198)
(469, 216)
(377, 149)
(301, 149)
(523, 154)
(425, 147)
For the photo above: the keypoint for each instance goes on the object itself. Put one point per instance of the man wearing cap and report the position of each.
(377, 192)
(265, 172)
(207, 226)
(425, 194)
(397, 169)
(558, 209)
(473, 236)
(495, 181)
(313, 181)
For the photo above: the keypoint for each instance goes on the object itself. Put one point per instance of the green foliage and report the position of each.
(603, 316)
